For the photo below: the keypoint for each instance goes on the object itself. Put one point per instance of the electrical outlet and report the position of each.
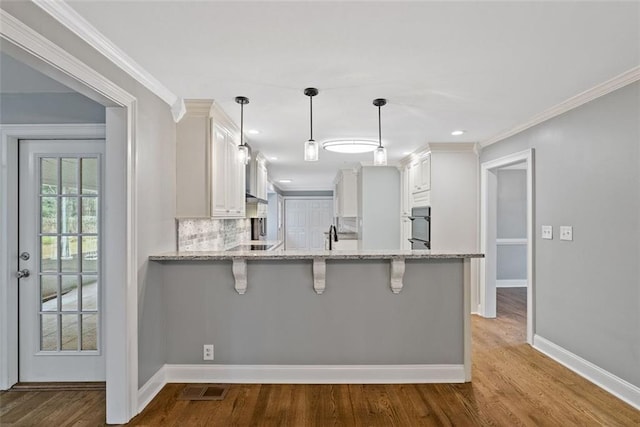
(207, 352)
(547, 232)
(566, 232)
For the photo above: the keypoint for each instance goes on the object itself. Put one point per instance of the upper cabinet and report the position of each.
(345, 194)
(210, 179)
(420, 180)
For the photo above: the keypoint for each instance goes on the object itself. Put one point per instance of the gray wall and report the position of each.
(512, 204)
(379, 207)
(155, 138)
(587, 174)
(281, 320)
(512, 224)
(26, 108)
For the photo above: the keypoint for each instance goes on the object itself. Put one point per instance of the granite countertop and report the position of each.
(281, 254)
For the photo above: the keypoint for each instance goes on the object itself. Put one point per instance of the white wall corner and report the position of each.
(151, 388)
(600, 377)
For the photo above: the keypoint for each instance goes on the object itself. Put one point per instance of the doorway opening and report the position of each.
(119, 274)
(507, 240)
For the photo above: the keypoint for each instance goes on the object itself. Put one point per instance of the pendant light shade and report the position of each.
(243, 150)
(380, 154)
(311, 147)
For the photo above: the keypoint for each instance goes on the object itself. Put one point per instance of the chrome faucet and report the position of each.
(333, 235)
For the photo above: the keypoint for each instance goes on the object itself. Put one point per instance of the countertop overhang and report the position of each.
(279, 254)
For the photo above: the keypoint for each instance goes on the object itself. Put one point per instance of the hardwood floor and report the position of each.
(513, 385)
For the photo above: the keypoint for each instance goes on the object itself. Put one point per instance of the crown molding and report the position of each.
(198, 107)
(621, 80)
(24, 37)
(74, 22)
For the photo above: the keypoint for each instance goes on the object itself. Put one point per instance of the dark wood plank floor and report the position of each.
(513, 385)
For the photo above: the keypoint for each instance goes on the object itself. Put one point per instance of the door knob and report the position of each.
(23, 273)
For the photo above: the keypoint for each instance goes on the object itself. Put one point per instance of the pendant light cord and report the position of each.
(241, 124)
(311, 117)
(379, 128)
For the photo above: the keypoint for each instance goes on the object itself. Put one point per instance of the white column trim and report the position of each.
(319, 275)
(598, 376)
(466, 313)
(122, 344)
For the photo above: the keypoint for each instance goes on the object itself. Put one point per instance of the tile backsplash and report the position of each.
(206, 234)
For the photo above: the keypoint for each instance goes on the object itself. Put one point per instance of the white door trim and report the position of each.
(121, 299)
(486, 306)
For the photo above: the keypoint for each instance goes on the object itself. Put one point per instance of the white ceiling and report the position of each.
(480, 66)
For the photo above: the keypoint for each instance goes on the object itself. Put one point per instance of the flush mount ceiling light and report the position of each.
(457, 132)
(311, 146)
(350, 146)
(380, 155)
(243, 150)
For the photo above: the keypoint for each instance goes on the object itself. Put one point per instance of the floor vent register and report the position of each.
(204, 392)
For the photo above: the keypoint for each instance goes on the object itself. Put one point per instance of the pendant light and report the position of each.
(243, 150)
(380, 154)
(311, 146)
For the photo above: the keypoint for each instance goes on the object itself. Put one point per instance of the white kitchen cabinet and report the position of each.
(345, 196)
(420, 181)
(210, 179)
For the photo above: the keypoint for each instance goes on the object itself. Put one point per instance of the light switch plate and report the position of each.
(566, 232)
(547, 232)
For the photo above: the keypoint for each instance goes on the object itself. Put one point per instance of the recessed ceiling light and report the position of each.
(273, 158)
(285, 181)
(406, 153)
(253, 132)
(457, 132)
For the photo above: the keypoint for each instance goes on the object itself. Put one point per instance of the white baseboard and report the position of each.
(603, 379)
(151, 388)
(315, 374)
(511, 283)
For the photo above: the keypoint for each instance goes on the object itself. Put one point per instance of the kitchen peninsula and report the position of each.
(349, 316)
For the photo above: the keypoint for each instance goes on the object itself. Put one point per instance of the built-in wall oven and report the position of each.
(420, 228)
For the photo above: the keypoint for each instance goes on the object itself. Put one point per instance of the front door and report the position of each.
(60, 246)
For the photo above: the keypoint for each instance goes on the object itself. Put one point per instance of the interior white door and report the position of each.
(60, 241)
